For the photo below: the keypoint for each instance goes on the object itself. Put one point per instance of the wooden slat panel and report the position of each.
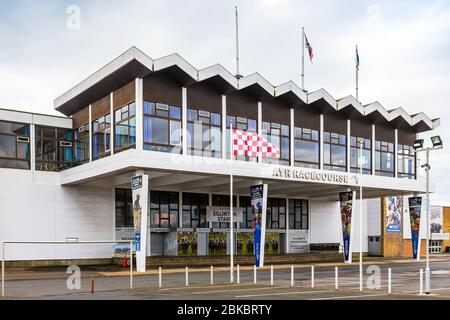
(81, 117)
(124, 95)
(101, 107)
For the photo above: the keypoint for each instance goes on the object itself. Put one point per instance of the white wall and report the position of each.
(51, 212)
(374, 217)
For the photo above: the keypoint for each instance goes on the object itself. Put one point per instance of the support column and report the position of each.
(210, 204)
(184, 119)
(321, 142)
(111, 108)
(395, 153)
(287, 226)
(224, 126)
(139, 114)
(373, 149)
(348, 144)
(260, 124)
(32, 147)
(292, 139)
(180, 209)
(90, 133)
(145, 234)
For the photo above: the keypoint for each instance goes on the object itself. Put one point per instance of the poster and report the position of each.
(187, 243)
(393, 214)
(139, 190)
(346, 206)
(415, 207)
(217, 243)
(245, 244)
(436, 224)
(258, 198)
(272, 243)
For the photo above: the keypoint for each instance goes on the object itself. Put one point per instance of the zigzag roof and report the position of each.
(134, 63)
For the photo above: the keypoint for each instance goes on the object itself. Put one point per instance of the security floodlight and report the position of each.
(437, 142)
(418, 144)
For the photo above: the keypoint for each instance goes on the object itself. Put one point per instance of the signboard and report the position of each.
(310, 175)
(245, 244)
(298, 241)
(258, 198)
(346, 206)
(415, 207)
(139, 190)
(222, 214)
(217, 243)
(187, 243)
(393, 208)
(436, 224)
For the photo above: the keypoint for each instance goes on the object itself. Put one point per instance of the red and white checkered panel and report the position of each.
(253, 145)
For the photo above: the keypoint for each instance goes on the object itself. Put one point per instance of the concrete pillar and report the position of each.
(291, 139)
(260, 124)
(184, 120)
(90, 133)
(224, 127)
(373, 149)
(395, 153)
(111, 108)
(321, 142)
(348, 144)
(139, 114)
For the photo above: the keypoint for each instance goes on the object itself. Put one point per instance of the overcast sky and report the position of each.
(404, 48)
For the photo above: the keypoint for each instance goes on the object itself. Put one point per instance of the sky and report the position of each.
(49, 46)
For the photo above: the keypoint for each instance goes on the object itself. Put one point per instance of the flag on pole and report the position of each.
(253, 145)
(357, 58)
(310, 49)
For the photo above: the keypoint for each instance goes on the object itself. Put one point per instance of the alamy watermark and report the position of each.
(73, 21)
(74, 280)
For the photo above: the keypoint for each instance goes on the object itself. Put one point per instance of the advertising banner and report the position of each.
(258, 197)
(415, 207)
(346, 204)
(436, 224)
(222, 214)
(139, 190)
(187, 243)
(245, 244)
(217, 243)
(272, 243)
(394, 210)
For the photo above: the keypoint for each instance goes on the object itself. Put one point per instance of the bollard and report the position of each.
(92, 286)
(238, 275)
(160, 277)
(271, 275)
(421, 282)
(187, 276)
(254, 274)
(292, 276)
(336, 278)
(389, 281)
(312, 276)
(212, 275)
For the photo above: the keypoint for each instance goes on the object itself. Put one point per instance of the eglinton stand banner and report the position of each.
(346, 205)
(415, 207)
(258, 197)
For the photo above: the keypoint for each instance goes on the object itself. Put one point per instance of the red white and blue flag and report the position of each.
(253, 145)
(310, 49)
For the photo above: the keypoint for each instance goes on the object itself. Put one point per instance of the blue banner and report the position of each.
(258, 198)
(393, 214)
(415, 207)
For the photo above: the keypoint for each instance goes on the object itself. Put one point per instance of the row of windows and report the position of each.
(164, 209)
(162, 132)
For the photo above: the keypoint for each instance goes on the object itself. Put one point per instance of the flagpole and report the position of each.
(357, 70)
(303, 58)
(360, 222)
(231, 207)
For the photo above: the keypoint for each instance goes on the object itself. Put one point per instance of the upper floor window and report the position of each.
(14, 145)
(276, 213)
(101, 135)
(53, 148)
(306, 143)
(298, 214)
(162, 127)
(204, 133)
(125, 127)
(244, 124)
(278, 134)
(334, 151)
(355, 144)
(384, 158)
(406, 162)
(164, 209)
(81, 145)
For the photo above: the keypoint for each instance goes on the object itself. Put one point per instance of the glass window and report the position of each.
(298, 214)
(278, 134)
(276, 213)
(247, 212)
(53, 148)
(163, 209)
(194, 210)
(244, 124)
(14, 145)
(124, 208)
(204, 133)
(306, 148)
(334, 151)
(125, 128)
(384, 158)
(101, 135)
(406, 163)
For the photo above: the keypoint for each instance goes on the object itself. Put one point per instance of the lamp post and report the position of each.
(418, 147)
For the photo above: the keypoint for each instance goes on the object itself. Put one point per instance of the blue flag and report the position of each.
(357, 58)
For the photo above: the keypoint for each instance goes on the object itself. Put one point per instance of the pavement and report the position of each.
(113, 282)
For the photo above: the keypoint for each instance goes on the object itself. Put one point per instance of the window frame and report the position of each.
(379, 151)
(402, 157)
(103, 130)
(208, 151)
(304, 137)
(332, 142)
(17, 143)
(273, 126)
(126, 119)
(356, 148)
